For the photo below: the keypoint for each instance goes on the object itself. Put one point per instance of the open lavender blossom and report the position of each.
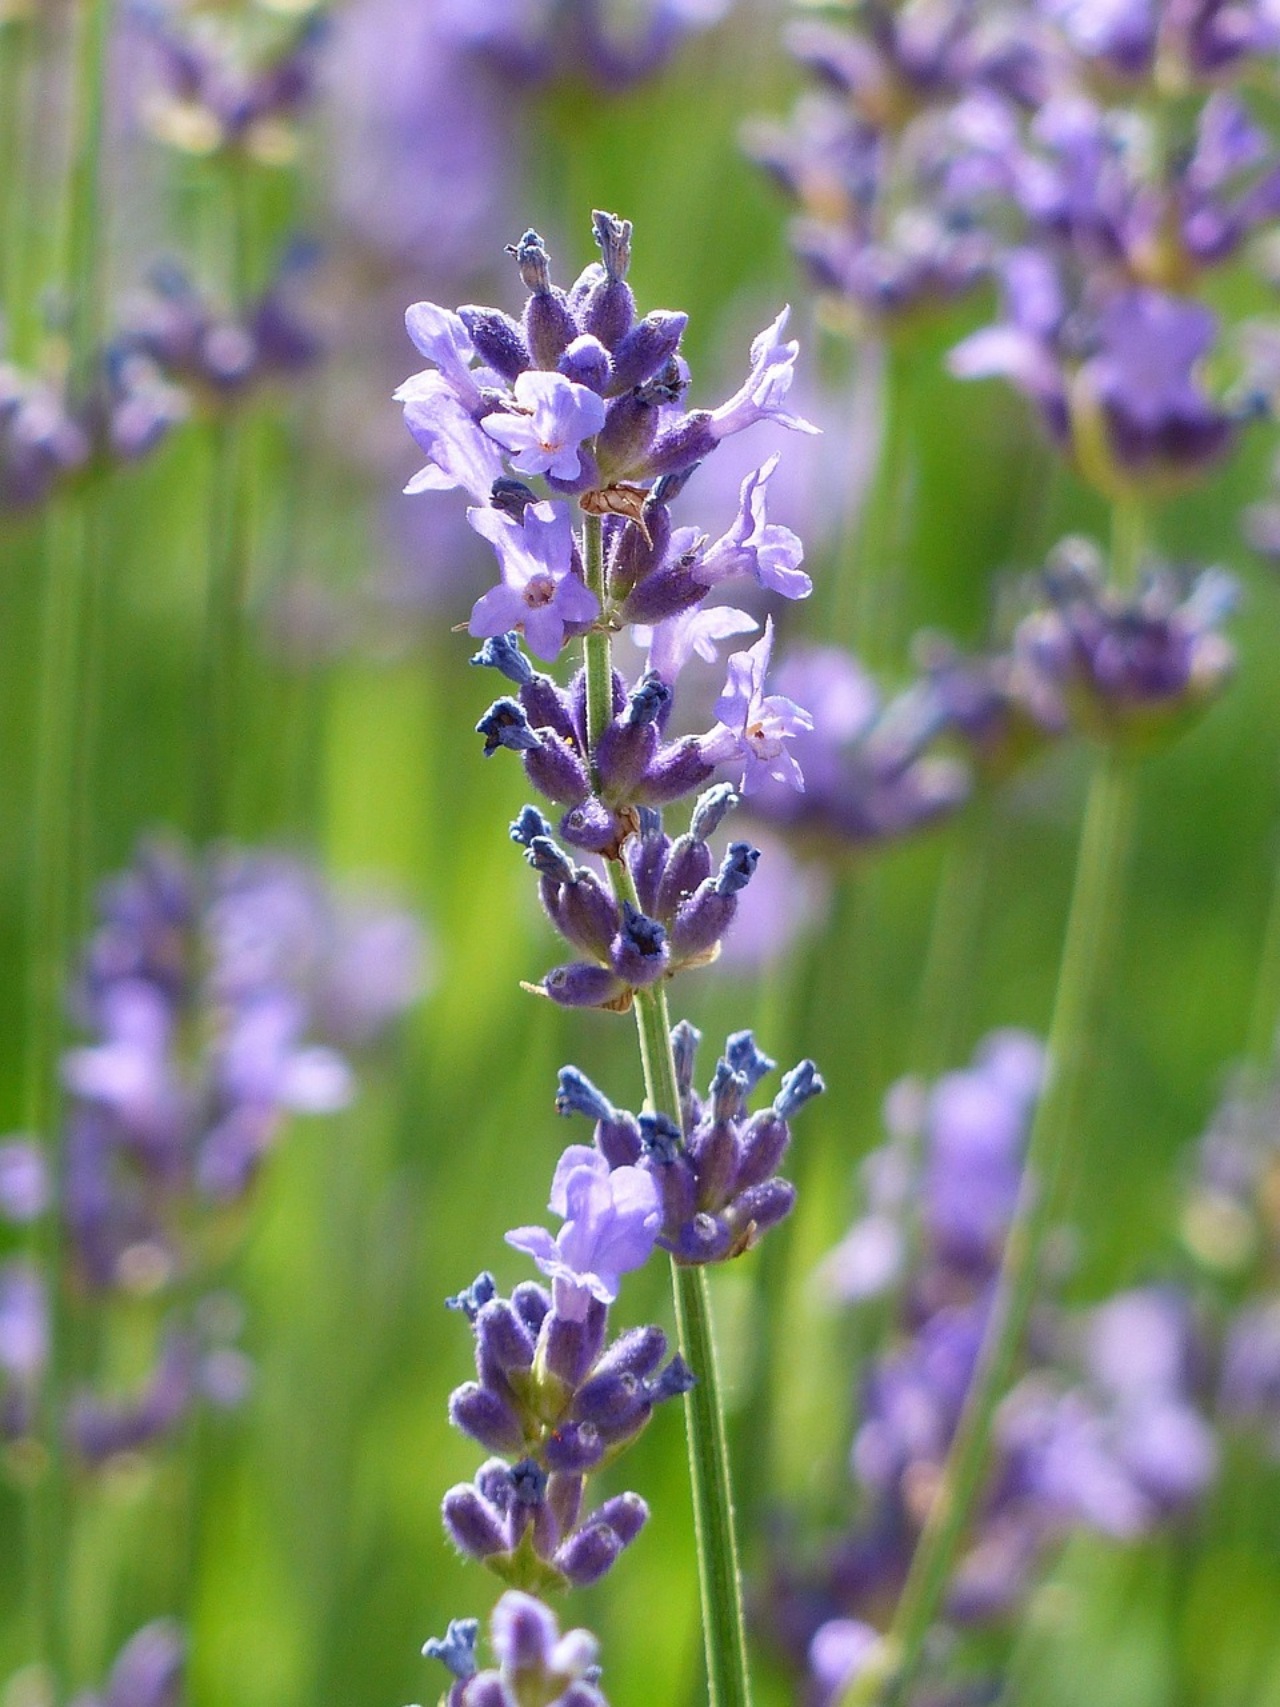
(535, 1662)
(716, 1172)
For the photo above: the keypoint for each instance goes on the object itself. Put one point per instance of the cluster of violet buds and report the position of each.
(218, 996)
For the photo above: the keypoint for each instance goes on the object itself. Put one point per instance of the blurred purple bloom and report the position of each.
(458, 453)
(540, 593)
(611, 1222)
(698, 630)
(24, 1327)
(841, 1650)
(24, 1181)
(535, 1662)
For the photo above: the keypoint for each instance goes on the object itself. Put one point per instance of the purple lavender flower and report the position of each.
(696, 631)
(769, 553)
(611, 1221)
(24, 1182)
(763, 394)
(542, 592)
(840, 1651)
(753, 725)
(148, 1671)
(534, 1660)
(551, 419)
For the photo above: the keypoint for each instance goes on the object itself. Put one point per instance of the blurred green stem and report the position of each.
(866, 586)
(719, 1572)
(1101, 862)
(1263, 1038)
(61, 720)
(953, 934)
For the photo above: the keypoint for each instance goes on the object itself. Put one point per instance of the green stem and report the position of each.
(1104, 843)
(866, 589)
(61, 721)
(1263, 1038)
(719, 1572)
(953, 933)
(224, 620)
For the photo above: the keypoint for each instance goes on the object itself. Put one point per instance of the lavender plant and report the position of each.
(590, 398)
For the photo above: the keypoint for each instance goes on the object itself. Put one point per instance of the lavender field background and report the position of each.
(224, 625)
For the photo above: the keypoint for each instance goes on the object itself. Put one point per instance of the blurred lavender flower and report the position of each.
(213, 992)
(1123, 665)
(227, 81)
(611, 43)
(148, 1672)
(869, 773)
(1106, 1428)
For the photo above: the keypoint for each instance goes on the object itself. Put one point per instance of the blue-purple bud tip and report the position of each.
(529, 824)
(685, 1039)
(456, 1649)
(474, 1297)
(528, 1482)
(648, 700)
(661, 1137)
(550, 859)
(674, 1381)
(533, 261)
(710, 810)
(614, 237)
(737, 869)
(741, 1053)
(502, 653)
(645, 934)
(577, 1095)
(505, 725)
(798, 1086)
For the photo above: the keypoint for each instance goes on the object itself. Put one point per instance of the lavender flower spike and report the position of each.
(764, 393)
(753, 726)
(535, 1662)
(539, 593)
(555, 416)
(611, 1223)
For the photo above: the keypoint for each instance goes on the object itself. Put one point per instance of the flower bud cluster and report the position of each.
(552, 1395)
(716, 1172)
(535, 1662)
(1131, 666)
(686, 902)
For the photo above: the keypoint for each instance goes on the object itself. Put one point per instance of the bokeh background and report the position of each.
(320, 1566)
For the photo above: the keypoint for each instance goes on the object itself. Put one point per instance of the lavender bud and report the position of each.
(763, 1145)
(590, 825)
(685, 1039)
(676, 1380)
(498, 341)
(575, 1448)
(610, 309)
(676, 770)
(472, 1524)
(762, 1206)
(532, 1304)
(614, 1402)
(505, 725)
(487, 1416)
(570, 1349)
(728, 1092)
(710, 810)
(550, 860)
(626, 1515)
(635, 556)
(639, 952)
(661, 1138)
(737, 869)
(619, 1141)
(524, 1634)
(586, 362)
(502, 653)
(555, 769)
(715, 1162)
(688, 866)
(646, 349)
(664, 594)
(548, 708)
(637, 1352)
(628, 744)
(742, 1055)
(502, 1340)
(588, 915)
(456, 1649)
(564, 1500)
(528, 1482)
(676, 449)
(701, 921)
(798, 1086)
(588, 1555)
(577, 1095)
(578, 985)
(529, 824)
(623, 442)
(548, 325)
(647, 856)
(475, 1297)
(485, 1690)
